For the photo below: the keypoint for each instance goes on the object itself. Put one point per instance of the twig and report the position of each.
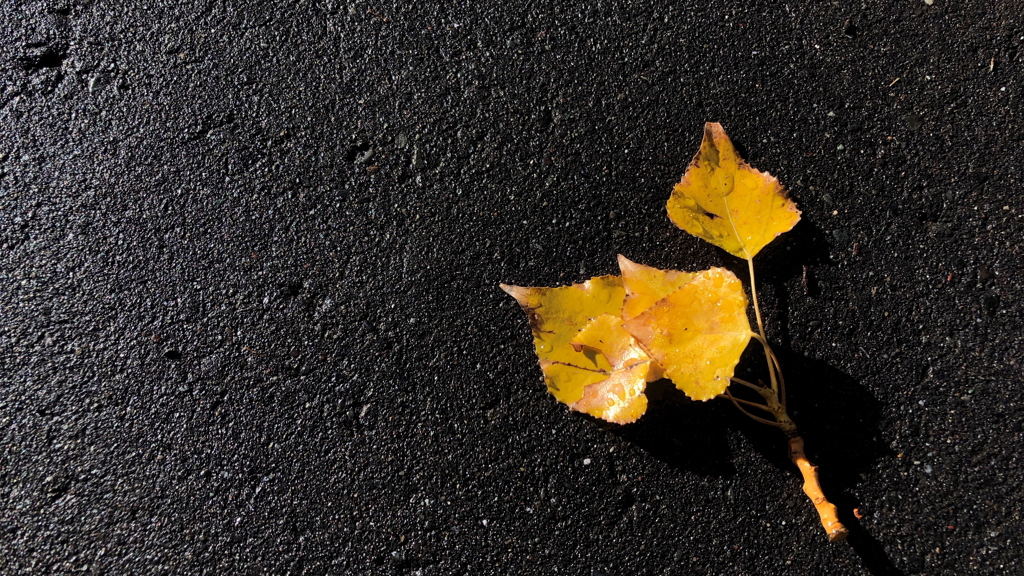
(753, 387)
(748, 402)
(775, 403)
(756, 418)
(812, 487)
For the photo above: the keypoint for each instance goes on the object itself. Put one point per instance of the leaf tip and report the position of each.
(626, 265)
(713, 131)
(517, 292)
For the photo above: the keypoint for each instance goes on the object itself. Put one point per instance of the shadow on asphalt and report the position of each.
(682, 433)
(838, 419)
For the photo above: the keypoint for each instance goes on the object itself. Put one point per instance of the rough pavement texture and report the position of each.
(249, 315)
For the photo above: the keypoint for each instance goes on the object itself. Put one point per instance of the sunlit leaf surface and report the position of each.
(620, 398)
(646, 285)
(725, 201)
(589, 361)
(697, 333)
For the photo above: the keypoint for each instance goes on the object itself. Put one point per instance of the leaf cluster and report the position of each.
(601, 341)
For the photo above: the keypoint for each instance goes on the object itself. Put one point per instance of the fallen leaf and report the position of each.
(605, 334)
(589, 361)
(619, 398)
(725, 201)
(646, 285)
(697, 332)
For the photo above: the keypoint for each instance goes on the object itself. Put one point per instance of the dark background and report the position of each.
(249, 314)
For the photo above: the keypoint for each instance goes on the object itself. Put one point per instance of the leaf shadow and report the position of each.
(839, 421)
(805, 245)
(688, 436)
(838, 418)
(799, 253)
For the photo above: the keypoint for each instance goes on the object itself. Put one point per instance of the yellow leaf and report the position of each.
(645, 285)
(589, 361)
(619, 398)
(566, 382)
(697, 333)
(556, 315)
(725, 201)
(606, 335)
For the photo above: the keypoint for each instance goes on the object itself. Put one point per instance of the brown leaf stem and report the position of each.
(747, 402)
(754, 387)
(736, 401)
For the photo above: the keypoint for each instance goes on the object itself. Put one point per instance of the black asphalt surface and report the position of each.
(249, 257)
